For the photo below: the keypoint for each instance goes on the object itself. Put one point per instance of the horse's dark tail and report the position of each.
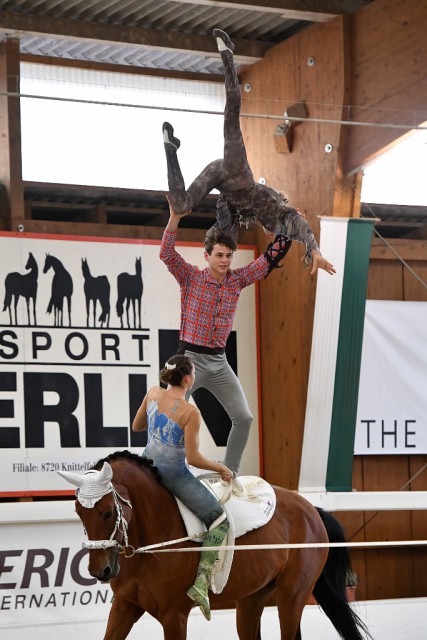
(105, 313)
(330, 588)
(7, 298)
(119, 307)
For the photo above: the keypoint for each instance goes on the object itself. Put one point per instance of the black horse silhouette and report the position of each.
(62, 287)
(129, 289)
(25, 285)
(96, 288)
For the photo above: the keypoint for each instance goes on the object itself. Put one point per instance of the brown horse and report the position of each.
(135, 510)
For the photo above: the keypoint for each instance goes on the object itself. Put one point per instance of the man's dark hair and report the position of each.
(217, 236)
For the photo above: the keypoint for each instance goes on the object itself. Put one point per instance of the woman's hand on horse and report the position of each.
(226, 474)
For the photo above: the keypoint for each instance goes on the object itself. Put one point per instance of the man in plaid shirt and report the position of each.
(208, 305)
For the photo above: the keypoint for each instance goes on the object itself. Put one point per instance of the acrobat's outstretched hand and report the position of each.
(319, 262)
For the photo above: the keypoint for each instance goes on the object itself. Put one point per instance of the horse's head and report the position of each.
(47, 263)
(105, 514)
(30, 262)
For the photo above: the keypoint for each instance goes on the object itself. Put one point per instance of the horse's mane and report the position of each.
(127, 455)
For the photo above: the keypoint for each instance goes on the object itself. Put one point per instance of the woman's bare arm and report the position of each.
(140, 421)
(194, 457)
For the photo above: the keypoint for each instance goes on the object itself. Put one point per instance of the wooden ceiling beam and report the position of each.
(110, 67)
(310, 10)
(18, 24)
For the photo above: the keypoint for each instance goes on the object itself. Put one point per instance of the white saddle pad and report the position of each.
(250, 506)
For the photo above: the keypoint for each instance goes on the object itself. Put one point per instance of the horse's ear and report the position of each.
(106, 474)
(74, 478)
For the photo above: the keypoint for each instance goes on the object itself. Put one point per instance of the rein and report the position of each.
(121, 525)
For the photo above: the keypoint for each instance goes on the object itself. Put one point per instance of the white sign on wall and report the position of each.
(44, 576)
(71, 379)
(392, 408)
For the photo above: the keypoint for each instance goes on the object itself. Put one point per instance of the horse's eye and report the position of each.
(108, 515)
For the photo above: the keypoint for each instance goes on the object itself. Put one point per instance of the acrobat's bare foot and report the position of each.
(169, 140)
(223, 41)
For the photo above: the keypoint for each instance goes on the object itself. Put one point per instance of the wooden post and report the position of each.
(346, 197)
(308, 68)
(346, 202)
(12, 197)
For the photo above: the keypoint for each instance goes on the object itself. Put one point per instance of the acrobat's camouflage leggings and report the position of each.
(241, 199)
(232, 175)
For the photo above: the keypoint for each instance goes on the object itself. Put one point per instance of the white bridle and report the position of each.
(121, 525)
(93, 486)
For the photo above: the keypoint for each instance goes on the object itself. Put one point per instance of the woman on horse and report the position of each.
(173, 435)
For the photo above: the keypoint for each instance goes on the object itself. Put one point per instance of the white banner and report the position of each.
(71, 379)
(392, 408)
(43, 574)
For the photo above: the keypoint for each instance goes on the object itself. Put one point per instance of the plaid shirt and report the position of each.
(207, 306)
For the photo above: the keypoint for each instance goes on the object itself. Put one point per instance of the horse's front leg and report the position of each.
(174, 624)
(249, 611)
(123, 615)
(134, 313)
(69, 310)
